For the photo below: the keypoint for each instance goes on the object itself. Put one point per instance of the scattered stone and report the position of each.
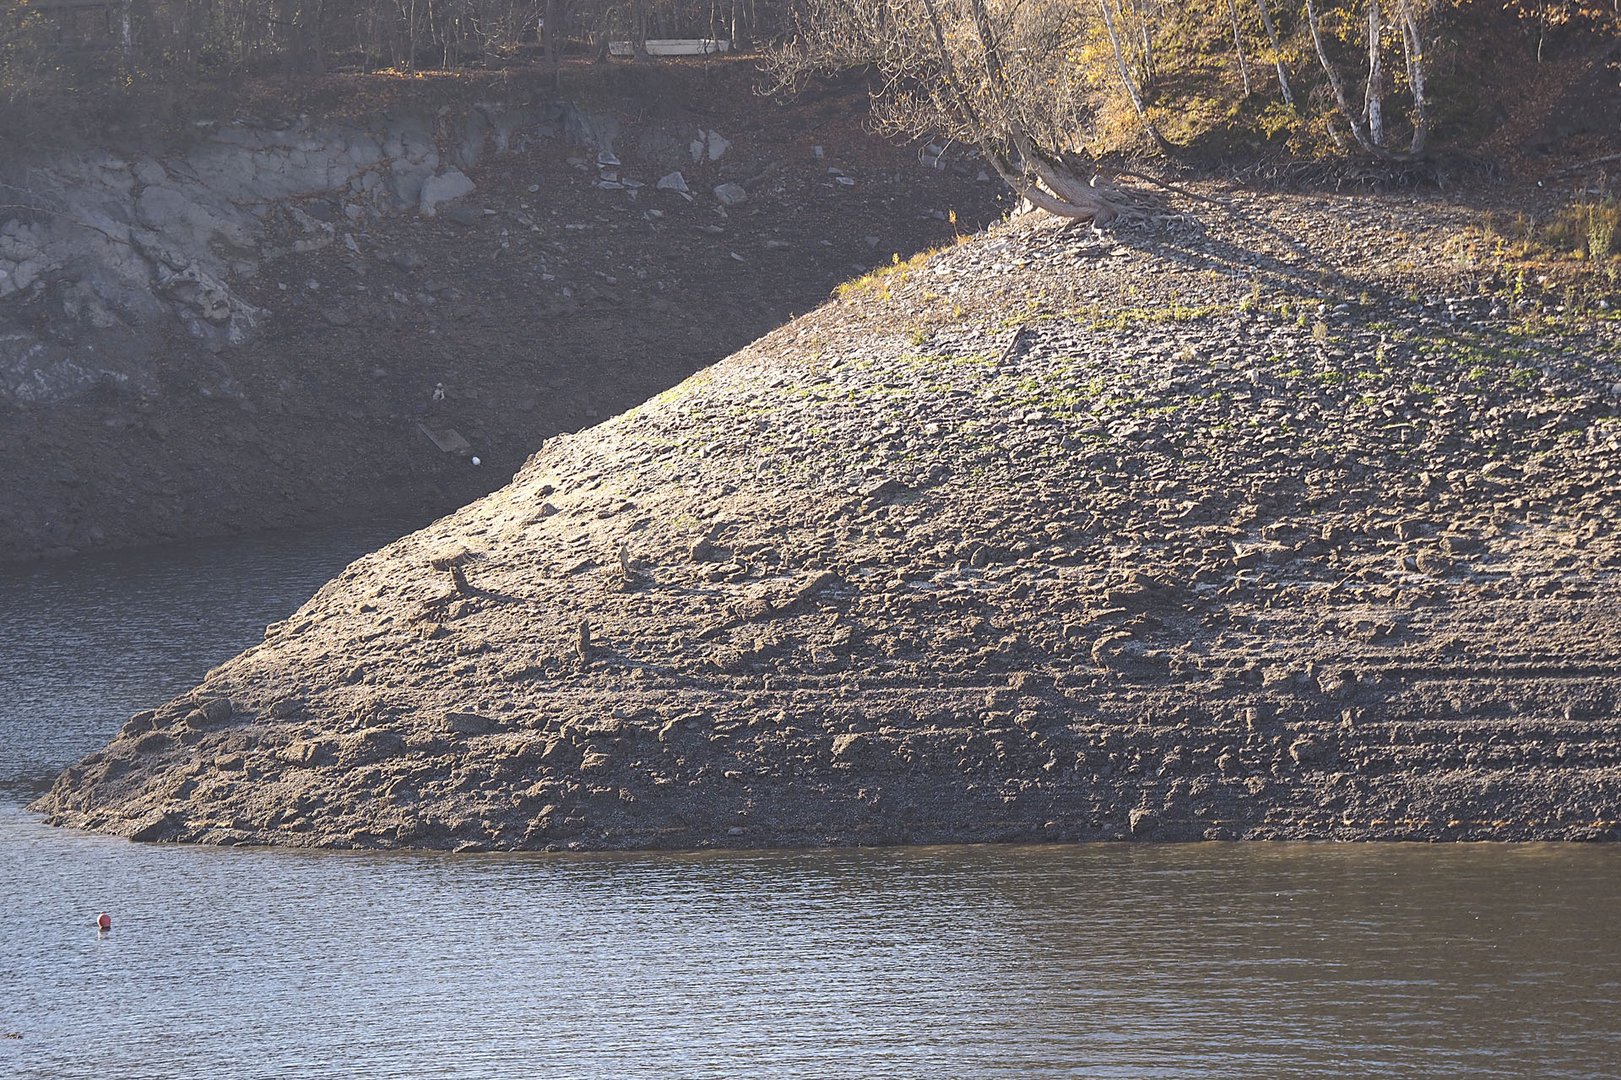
(307, 752)
(1189, 510)
(1115, 652)
(709, 146)
(442, 188)
(459, 722)
(1310, 750)
(703, 548)
(1001, 698)
(286, 709)
(849, 747)
(139, 722)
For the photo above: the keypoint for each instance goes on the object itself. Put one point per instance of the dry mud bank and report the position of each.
(1257, 526)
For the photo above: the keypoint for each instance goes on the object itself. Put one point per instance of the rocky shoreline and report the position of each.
(1266, 524)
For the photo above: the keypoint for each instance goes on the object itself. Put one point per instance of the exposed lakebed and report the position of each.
(1087, 960)
(1200, 569)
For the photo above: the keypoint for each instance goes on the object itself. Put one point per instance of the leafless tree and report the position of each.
(998, 74)
(1277, 52)
(1145, 66)
(1374, 94)
(1413, 52)
(1368, 125)
(1238, 47)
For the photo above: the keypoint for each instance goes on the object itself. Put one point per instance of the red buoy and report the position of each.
(104, 921)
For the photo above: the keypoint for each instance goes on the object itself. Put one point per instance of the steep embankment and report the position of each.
(243, 322)
(1177, 533)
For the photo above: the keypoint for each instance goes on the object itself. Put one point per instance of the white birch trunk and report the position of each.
(1413, 49)
(1277, 53)
(1375, 96)
(1126, 79)
(1238, 47)
(1353, 117)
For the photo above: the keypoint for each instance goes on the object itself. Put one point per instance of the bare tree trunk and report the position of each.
(1374, 98)
(1089, 203)
(1359, 131)
(1277, 53)
(1413, 48)
(287, 34)
(372, 49)
(1063, 182)
(1145, 32)
(444, 28)
(552, 27)
(412, 29)
(1127, 81)
(1238, 47)
(317, 39)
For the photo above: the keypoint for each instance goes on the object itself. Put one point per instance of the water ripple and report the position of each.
(1272, 961)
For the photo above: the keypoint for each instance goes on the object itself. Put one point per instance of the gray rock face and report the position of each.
(464, 215)
(445, 187)
(709, 146)
(100, 256)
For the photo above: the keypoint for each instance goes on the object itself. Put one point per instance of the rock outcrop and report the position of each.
(325, 313)
(111, 250)
(1172, 534)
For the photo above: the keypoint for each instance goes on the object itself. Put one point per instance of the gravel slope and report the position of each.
(1251, 525)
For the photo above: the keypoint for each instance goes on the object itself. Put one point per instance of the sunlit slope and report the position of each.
(1218, 530)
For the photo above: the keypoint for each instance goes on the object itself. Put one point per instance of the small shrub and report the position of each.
(1601, 222)
(1585, 229)
(884, 279)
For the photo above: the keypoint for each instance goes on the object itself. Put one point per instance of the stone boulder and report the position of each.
(444, 187)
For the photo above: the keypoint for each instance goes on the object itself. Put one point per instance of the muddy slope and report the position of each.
(1228, 530)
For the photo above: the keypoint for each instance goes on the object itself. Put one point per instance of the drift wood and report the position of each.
(454, 561)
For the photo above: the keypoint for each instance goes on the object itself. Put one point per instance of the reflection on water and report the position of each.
(1215, 960)
(85, 643)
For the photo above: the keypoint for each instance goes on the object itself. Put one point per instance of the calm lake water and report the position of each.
(1104, 961)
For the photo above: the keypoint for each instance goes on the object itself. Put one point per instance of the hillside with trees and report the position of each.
(1207, 79)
